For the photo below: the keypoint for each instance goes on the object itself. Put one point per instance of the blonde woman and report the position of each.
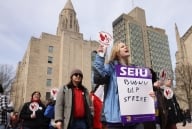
(111, 108)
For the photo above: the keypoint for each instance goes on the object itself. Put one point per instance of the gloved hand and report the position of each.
(184, 123)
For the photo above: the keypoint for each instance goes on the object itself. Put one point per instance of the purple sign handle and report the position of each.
(137, 118)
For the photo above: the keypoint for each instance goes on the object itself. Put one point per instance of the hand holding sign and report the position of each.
(166, 84)
(54, 92)
(105, 39)
(34, 106)
(163, 75)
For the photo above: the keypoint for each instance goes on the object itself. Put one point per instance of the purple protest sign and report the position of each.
(133, 71)
(134, 86)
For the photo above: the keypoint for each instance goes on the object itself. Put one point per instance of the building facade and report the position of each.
(148, 46)
(184, 58)
(48, 60)
(184, 47)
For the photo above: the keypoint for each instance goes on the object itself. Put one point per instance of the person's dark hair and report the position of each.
(35, 93)
(98, 79)
(1, 88)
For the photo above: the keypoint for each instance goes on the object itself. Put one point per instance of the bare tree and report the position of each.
(6, 76)
(184, 83)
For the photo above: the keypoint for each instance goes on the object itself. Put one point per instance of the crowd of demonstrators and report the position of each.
(111, 107)
(168, 111)
(73, 105)
(76, 108)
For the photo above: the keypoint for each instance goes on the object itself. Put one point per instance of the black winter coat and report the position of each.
(40, 122)
(162, 108)
(174, 112)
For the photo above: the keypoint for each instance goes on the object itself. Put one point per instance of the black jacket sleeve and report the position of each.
(98, 79)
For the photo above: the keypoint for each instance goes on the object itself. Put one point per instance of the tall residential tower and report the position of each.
(148, 46)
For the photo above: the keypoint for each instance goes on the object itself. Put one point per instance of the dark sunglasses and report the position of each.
(76, 74)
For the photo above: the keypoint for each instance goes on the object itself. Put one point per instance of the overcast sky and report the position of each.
(22, 19)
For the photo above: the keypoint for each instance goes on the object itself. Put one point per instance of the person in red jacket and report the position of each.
(97, 100)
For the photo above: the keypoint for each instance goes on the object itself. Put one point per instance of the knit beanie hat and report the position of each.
(76, 71)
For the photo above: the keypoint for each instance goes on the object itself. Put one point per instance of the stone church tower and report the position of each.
(67, 19)
(183, 57)
(49, 59)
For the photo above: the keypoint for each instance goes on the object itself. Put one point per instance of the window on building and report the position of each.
(49, 81)
(49, 70)
(50, 59)
(50, 49)
(71, 19)
(48, 95)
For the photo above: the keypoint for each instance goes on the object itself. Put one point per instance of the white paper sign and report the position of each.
(100, 92)
(134, 86)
